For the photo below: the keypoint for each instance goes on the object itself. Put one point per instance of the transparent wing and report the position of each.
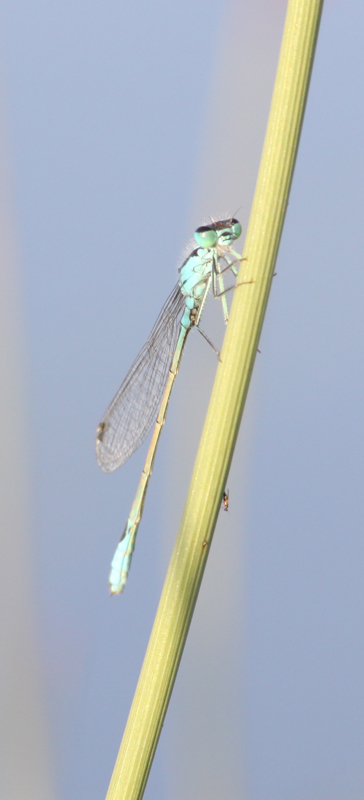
(134, 408)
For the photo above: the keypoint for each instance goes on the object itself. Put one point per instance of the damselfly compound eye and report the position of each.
(236, 228)
(206, 236)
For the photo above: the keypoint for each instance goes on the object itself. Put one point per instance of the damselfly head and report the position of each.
(222, 232)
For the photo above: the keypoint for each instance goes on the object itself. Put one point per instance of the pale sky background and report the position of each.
(122, 126)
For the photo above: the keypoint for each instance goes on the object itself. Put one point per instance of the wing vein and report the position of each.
(134, 408)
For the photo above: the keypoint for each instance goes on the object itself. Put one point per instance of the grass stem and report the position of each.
(226, 405)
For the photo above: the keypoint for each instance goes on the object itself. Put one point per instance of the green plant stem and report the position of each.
(226, 405)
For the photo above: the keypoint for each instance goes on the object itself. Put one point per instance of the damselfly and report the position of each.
(148, 384)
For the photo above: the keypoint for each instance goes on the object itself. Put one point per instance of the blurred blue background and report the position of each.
(123, 128)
